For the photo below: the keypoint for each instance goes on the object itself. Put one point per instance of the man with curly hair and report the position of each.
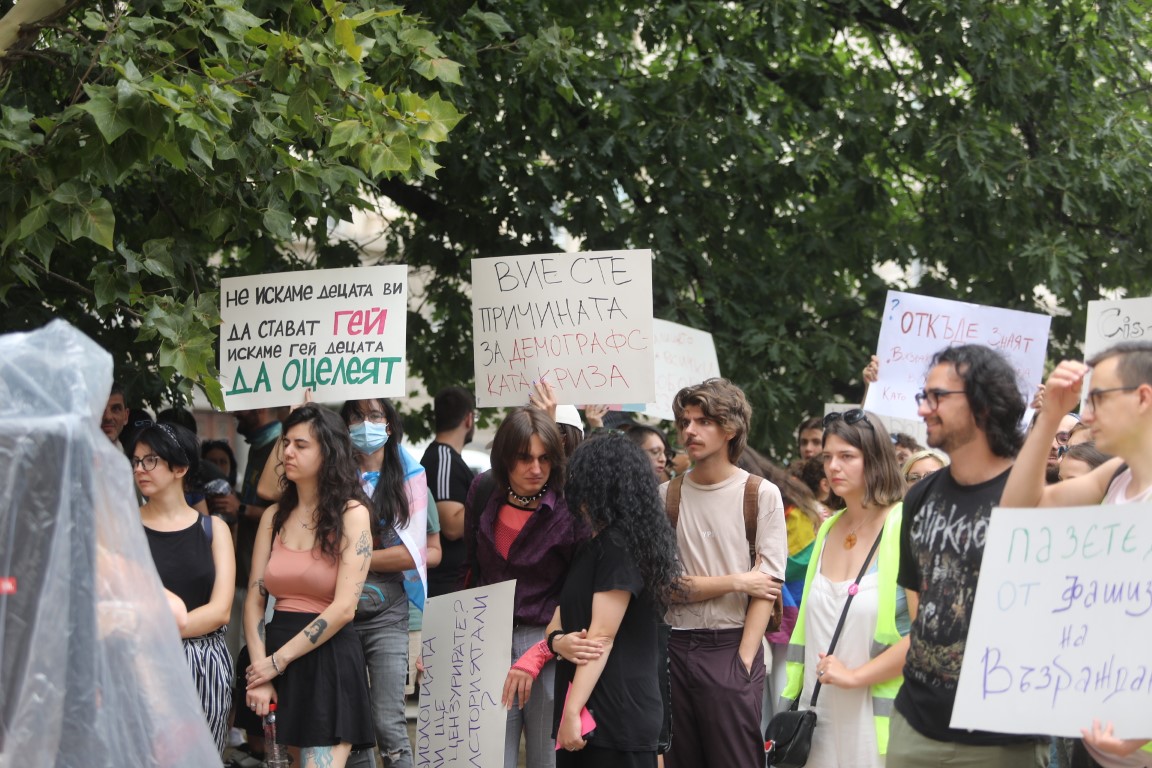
(716, 653)
(972, 408)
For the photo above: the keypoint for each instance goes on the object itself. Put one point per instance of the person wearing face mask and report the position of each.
(398, 489)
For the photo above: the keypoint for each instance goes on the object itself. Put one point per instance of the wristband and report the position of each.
(534, 659)
(552, 639)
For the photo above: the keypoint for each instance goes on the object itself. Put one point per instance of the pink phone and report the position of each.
(587, 722)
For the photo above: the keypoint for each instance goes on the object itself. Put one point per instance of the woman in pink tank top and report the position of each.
(312, 553)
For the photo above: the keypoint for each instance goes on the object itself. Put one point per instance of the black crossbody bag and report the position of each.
(788, 737)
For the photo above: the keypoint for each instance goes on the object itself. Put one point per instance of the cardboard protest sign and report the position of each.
(1112, 322)
(683, 356)
(466, 645)
(1062, 623)
(915, 328)
(580, 321)
(339, 332)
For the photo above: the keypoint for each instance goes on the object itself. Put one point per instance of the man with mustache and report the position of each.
(716, 657)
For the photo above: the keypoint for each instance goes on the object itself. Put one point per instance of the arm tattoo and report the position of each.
(260, 586)
(260, 630)
(364, 545)
(315, 629)
(359, 590)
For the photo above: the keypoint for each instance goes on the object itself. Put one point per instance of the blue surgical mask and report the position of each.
(369, 437)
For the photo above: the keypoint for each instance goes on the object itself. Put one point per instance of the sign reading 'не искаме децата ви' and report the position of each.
(339, 332)
(580, 321)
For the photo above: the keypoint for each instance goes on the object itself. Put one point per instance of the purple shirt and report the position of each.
(538, 559)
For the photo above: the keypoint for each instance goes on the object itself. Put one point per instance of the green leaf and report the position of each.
(345, 34)
(346, 132)
(493, 21)
(111, 119)
(441, 69)
(441, 117)
(93, 220)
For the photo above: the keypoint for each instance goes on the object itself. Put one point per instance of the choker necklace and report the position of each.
(526, 500)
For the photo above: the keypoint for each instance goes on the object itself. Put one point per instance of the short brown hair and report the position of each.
(514, 437)
(1135, 364)
(723, 402)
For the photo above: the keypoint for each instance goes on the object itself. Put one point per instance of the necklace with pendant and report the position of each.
(526, 500)
(850, 539)
(306, 526)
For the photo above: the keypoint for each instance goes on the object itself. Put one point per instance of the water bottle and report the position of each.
(275, 754)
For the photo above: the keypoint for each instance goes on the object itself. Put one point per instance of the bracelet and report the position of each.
(552, 639)
(275, 666)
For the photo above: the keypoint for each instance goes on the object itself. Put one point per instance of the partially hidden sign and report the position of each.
(1113, 322)
(914, 328)
(1062, 623)
(580, 321)
(338, 332)
(683, 356)
(466, 646)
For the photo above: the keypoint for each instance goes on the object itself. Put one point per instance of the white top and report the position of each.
(1118, 494)
(845, 734)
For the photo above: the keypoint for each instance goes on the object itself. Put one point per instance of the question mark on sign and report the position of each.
(895, 303)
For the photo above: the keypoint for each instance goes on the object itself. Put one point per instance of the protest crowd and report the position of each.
(680, 600)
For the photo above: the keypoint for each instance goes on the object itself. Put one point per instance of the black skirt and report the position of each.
(322, 697)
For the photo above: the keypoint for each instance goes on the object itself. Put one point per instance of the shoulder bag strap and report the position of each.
(851, 594)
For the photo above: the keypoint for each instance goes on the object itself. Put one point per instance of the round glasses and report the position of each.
(376, 417)
(148, 463)
(932, 397)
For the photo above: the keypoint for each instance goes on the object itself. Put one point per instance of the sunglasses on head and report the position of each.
(851, 416)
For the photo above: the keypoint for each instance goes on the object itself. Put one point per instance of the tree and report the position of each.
(148, 149)
(773, 155)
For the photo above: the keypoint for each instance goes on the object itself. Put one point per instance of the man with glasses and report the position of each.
(1118, 412)
(972, 409)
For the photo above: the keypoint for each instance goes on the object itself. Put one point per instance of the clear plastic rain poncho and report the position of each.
(92, 672)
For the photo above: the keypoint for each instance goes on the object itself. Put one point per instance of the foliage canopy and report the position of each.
(773, 155)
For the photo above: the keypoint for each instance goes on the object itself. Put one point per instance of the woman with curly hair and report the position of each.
(312, 552)
(606, 629)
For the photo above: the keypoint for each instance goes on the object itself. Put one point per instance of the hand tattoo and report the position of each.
(315, 629)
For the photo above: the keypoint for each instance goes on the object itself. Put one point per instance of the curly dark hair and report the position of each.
(993, 394)
(337, 484)
(810, 471)
(177, 446)
(221, 445)
(389, 500)
(610, 483)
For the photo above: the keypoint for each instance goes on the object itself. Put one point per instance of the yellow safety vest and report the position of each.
(884, 693)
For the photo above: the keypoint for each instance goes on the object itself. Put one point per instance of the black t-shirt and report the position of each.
(448, 480)
(942, 540)
(626, 701)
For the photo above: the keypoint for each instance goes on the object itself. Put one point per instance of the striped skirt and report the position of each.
(211, 667)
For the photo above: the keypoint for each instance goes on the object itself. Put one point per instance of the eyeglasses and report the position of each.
(1062, 437)
(376, 417)
(932, 397)
(655, 452)
(1094, 394)
(148, 462)
(851, 416)
(915, 477)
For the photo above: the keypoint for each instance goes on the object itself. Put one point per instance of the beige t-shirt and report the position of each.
(711, 541)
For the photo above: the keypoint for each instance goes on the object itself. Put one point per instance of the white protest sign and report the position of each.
(339, 332)
(466, 645)
(580, 321)
(1112, 322)
(915, 328)
(1062, 624)
(684, 356)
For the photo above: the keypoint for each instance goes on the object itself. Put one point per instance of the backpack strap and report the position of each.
(672, 500)
(485, 488)
(751, 510)
(206, 525)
